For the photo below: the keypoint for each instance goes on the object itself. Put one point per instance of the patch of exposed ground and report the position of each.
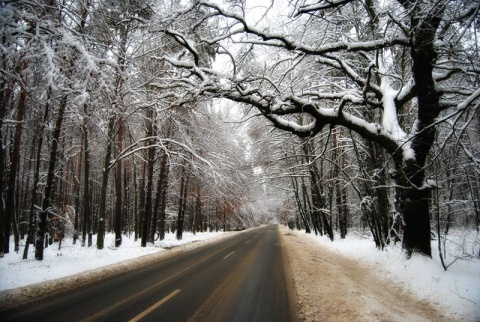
(331, 287)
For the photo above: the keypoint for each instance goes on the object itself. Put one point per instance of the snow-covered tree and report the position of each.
(390, 71)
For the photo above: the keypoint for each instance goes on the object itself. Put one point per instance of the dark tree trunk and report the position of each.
(42, 226)
(135, 204)
(77, 192)
(149, 196)
(416, 212)
(324, 221)
(147, 224)
(118, 188)
(36, 177)
(87, 213)
(198, 225)
(315, 187)
(141, 207)
(301, 210)
(342, 220)
(144, 216)
(10, 212)
(181, 204)
(5, 93)
(101, 231)
(160, 195)
(164, 175)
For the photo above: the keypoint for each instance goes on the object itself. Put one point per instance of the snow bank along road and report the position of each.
(333, 288)
(242, 278)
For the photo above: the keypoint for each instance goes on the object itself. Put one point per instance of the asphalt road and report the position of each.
(237, 279)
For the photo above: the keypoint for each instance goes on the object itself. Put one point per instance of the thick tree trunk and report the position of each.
(416, 213)
(417, 235)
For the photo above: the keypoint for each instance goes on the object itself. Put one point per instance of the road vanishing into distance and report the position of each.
(241, 278)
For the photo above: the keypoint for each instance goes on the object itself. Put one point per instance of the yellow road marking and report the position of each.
(227, 256)
(154, 306)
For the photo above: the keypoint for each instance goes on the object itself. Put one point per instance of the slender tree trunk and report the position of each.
(12, 174)
(29, 163)
(145, 218)
(126, 220)
(105, 173)
(141, 219)
(316, 206)
(87, 213)
(118, 188)
(10, 209)
(5, 93)
(151, 222)
(77, 191)
(164, 175)
(158, 207)
(301, 210)
(321, 220)
(42, 226)
(182, 203)
(198, 225)
(150, 231)
(135, 203)
(342, 215)
(36, 176)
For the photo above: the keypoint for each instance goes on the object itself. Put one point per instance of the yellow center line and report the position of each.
(154, 306)
(227, 256)
(145, 291)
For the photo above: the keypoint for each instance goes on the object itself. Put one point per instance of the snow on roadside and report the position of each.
(74, 259)
(457, 289)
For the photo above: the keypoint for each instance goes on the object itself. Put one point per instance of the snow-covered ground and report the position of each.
(74, 259)
(456, 290)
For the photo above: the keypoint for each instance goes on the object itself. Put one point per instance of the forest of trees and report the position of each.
(144, 116)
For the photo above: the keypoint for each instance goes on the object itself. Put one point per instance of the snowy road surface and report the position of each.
(239, 279)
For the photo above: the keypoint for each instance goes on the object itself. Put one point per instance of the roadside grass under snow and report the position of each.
(457, 290)
(73, 259)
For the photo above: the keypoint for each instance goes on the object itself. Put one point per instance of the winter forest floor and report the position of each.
(347, 280)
